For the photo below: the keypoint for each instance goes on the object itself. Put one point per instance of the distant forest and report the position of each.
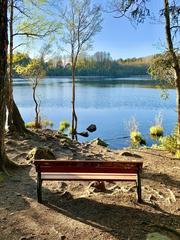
(99, 64)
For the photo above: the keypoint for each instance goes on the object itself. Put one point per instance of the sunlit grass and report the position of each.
(64, 125)
(157, 131)
(43, 124)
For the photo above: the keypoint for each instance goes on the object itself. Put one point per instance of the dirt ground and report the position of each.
(73, 210)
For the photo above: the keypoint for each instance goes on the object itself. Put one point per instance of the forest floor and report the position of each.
(74, 210)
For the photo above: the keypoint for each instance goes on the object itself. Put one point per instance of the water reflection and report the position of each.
(109, 103)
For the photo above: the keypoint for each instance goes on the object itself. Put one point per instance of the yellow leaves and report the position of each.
(21, 58)
(161, 68)
(34, 70)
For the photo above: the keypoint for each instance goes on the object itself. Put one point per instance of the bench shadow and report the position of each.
(115, 219)
(161, 177)
(120, 221)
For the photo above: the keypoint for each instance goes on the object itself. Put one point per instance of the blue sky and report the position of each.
(122, 40)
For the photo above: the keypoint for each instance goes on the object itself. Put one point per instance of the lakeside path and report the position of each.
(76, 210)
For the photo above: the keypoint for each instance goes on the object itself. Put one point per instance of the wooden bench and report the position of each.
(88, 170)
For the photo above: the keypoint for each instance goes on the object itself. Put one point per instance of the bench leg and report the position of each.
(139, 188)
(39, 188)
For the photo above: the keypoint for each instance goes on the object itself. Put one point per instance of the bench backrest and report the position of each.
(86, 166)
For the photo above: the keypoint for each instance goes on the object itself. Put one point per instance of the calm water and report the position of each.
(108, 103)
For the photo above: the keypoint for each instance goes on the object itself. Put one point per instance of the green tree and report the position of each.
(20, 58)
(26, 22)
(161, 68)
(15, 121)
(81, 22)
(34, 72)
(138, 11)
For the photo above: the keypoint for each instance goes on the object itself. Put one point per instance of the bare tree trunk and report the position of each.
(178, 116)
(15, 121)
(37, 119)
(73, 102)
(75, 128)
(74, 116)
(10, 98)
(3, 78)
(175, 66)
(18, 122)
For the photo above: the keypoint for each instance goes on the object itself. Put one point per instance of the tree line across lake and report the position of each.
(99, 64)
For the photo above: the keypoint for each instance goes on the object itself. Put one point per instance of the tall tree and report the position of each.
(20, 18)
(81, 22)
(170, 24)
(15, 121)
(3, 78)
(137, 10)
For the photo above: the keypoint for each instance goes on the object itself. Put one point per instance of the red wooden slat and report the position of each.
(88, 166)
(86, 162)
(127, 169)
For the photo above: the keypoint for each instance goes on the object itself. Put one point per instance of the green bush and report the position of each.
(43, 124)
(156, 131)
(30, 124)
(64, 125)
(137, 138)
(170, 142)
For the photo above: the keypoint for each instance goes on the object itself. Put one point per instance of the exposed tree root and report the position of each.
(8, 165)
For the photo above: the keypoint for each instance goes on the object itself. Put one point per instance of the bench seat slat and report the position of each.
(89, 176)
(87, 169)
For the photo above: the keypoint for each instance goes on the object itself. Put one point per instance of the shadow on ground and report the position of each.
(118, 220)
(162, 178)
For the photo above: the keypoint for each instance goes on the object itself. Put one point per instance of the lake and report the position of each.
(107, 102)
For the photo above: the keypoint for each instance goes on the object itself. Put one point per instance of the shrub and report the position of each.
(137, 138)
(156, 131)
(30, 124)
(43, 124)
(64, 125)
(170, 142)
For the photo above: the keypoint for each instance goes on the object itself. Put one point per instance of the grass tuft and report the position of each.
(137, 138)
(43, 124)
(156, 131)
(64, 125)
